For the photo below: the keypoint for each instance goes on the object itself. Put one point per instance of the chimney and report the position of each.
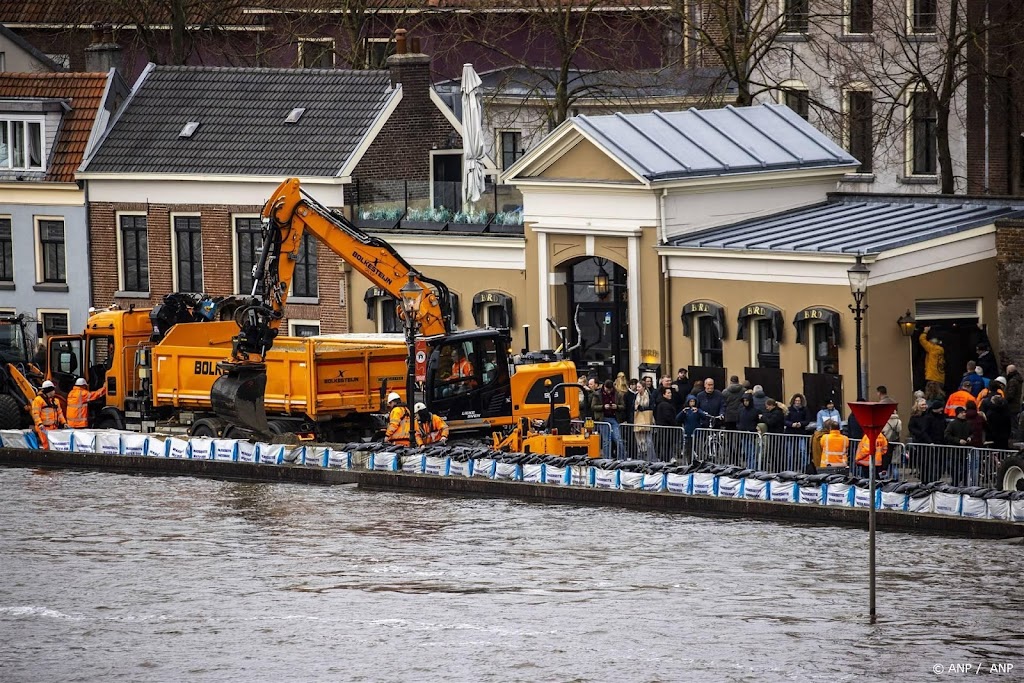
(103, 54)
(410, 68)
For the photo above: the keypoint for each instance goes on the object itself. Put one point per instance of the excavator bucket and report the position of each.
(237, 397)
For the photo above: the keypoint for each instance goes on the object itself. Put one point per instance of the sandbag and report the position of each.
(678, 483)
(974, 507)
(201, 448)
(507, 470)
(413, 464)
(271, 453)
(654, 482)
(177, 448)
(82, 441)
(946, 503)
(811, 495)
(605, 479)
(387, 462)
(862, 496)
(134, 444)
(999, 508)
(784, 491)
(1017, 510)
(581, 475)
(894, 501)
(461, 468)
(483, 467)
(296, 455)
(704, 484)
(556, 475)
(247, 451)
(156, 447)
(359, 460)
(107, 442)
(436, 466)
(533, 473)
(18, 438)
(225, 450)
(839, 495)
(920, 503)
(315, 456)
(730, 487)
(755, 489)
(631, 480)
(60, 440)
(341, 460)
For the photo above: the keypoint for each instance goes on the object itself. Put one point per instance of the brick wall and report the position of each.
(1010, 287)
(218, 260)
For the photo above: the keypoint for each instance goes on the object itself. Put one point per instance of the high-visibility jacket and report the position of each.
(431, 432)
(47, 415)
(398, 426)
(986, 392)
(934, 360)
(864, 452)
(958, 399)
(78, 405)
(462, 368)
(835, 448)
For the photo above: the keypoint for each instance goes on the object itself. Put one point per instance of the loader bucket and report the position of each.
(237, 397)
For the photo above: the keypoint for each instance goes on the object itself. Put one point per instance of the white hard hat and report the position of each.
(48, 385)
(418, 407)
(80, 382)
(393, 396)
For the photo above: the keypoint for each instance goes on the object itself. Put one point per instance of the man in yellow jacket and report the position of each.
(430, 428)
(78, 403)
(399, 421)
(46, 413)
(934, 360)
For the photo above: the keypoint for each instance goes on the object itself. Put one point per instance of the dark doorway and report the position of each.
(596, 290)
(448, 181)
(959, 337)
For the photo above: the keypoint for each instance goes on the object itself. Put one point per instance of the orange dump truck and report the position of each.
(330, 386)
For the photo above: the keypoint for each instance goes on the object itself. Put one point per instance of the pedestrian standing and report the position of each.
(665, 419)
(643, 418)
(732, 395)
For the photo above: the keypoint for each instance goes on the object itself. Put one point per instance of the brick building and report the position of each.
(177, 183)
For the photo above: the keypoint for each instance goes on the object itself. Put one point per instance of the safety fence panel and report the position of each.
(784, 452)
(726, 447)
(652, 442)
(957, 465)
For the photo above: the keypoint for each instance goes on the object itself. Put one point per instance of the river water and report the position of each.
(109, 576)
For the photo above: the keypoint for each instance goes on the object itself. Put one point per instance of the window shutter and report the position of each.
(963, 308)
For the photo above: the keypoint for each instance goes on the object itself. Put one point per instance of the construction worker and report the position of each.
(461, 367)
(430, 428)
(959, 399)
(78, 403)
(864, 453)
(835, 446)
(399, 421)
(46, 413)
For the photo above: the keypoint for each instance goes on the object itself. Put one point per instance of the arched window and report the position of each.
(765, 327)
(492, 308)
(819, 327)
(704, 323)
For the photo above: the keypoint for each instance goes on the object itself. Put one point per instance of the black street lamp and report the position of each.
(412, 298)
(858, 275)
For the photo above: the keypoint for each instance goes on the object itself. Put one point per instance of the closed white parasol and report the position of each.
(472, 137)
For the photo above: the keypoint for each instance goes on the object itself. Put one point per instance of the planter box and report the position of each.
(375, 223)
(501, 229)
(466, 227)
(429, 226)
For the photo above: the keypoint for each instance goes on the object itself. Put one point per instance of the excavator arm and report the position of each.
(287, 216)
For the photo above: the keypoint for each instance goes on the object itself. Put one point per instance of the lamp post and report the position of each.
(858, 275)
(412, 297)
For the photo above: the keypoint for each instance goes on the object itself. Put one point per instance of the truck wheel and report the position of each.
(209, 429)
(11, 413)
(1011, 474)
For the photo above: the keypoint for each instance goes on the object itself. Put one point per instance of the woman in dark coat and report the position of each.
(747, 417)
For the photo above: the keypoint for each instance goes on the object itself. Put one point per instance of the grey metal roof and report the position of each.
(852, 224)
(241, 114)
(767, 137)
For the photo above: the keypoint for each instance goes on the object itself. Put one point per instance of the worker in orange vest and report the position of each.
(995, 388)
(46, 413)
(78, 403)
(959, 399)
(864, 453)
(835, 447)
(430, 428)
(399, 421)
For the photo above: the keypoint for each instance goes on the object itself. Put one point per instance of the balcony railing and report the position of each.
(435, 206)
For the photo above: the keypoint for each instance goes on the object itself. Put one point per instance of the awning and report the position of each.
(370, 298)
(816, 314)
(488, 298)
(760, 311)
(702, 307)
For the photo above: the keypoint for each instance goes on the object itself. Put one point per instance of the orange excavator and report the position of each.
(471, 378)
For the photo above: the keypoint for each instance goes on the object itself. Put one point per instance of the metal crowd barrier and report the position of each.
(652, 442)
(957, 465)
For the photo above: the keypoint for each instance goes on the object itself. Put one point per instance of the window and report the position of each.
(21, 144)
(303, 328)
(766, 348)
(134, 253)
(859, 116)
(248, 238)
(798, 100)
(497, 316)
(709, 343)
(924, 141)
(794, 16)
(304, 278)
(51, 249)
(926, 14)
(824, 352)
(54, 322)
(457, 369)
(316, 53)
(861, 16)
(511, 147)
(389, 320)
(377, 51)
(6, 251)
(188, 258)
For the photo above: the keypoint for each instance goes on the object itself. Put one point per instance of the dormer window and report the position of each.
(21, 143)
